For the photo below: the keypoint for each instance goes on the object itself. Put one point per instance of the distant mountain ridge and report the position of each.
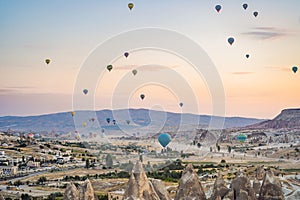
(287, 119)
(64, 122)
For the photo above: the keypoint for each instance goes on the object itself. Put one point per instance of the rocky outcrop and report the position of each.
(86, 191)
(190, 187)
(294, 195)
(288, 118)
(139, 187)
(160, 189)
(260, 172)
(220, 189)
(1, 197)
(241, 189)
(256, 186)
(271, 188)
(71, 192)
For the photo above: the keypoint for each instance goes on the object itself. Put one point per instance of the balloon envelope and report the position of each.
(245, 6)
(126, 54)
(295, 69)
(109, 67)
(128, 122)
(230, 40)
(130, 6)
(164, 139)
(255, 14)
(181, 104)
(72, 113)
(241, 137)
(47, 61)
(142, 96)
(85, 91)
(247, 55)
(108, 120)
(218, 8)
(134, 72)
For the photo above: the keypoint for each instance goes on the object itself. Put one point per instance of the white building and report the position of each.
(8, 170)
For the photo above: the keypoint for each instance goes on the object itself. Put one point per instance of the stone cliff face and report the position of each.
(288, 118)
(190, 187)
(139, 187)
(271, 188)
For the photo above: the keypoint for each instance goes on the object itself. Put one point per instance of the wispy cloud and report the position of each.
(14, 89)
(277, 68)
(266, 33)
(242, 73)
(33, 46)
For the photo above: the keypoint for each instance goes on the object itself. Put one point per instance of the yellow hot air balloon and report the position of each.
(84, 124)
(72, 113)
(130, 6)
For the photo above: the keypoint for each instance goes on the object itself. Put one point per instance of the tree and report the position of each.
(87, 163)
(229, 149)
(25, 197)
(109, 161)
(42, 180)
(218, 147)
(210, 148)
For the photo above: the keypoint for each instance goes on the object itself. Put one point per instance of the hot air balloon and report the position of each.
(245, 6)
(130, 6)
(230, 40)
(218, 8)
(128, 121)
(164, 139)
(134, 72)
(102, 130)
(247, 55)
(180, 104)
(84, 124)
(295, 69)
(85, 91)
(126, 54)
(47, 61)
(109, 67)
(72, 113)
(241, 137)
(255, 14)
(108, 120)
(114, 122)
(142, 96)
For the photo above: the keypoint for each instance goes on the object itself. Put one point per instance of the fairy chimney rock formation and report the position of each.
(190, 187)
(271, 188)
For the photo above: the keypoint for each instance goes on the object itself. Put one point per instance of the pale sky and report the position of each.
(68, 31)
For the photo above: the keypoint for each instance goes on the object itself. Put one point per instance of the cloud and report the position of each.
(285, 69)
(266, 33)
(242, 73)
(32, 46)
(14, 89)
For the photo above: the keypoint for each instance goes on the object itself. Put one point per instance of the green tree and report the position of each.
(42, 180)
(87, 163)
(229, 149)
(218, 147)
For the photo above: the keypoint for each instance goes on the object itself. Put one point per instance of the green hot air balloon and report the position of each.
(130, 6)
(47, 61)
(295, 69)
(109, 67)
(241, 137)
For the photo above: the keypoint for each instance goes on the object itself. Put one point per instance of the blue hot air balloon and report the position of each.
(108, 120)
(230, 40)
(85, 91)
(241, 137)
(218, 8)
(295, 69)
(245, 6)
(255, 14)
(164, 139)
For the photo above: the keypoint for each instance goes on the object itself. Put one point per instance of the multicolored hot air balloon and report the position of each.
(47, 61)
(130, 6)
(134, 72)
(85, 91)
(295, 69)
(245, 6)
(255, 14)
(142, 96)
(109, 67)
(230, 40)
(218, 8)
(164, 139)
